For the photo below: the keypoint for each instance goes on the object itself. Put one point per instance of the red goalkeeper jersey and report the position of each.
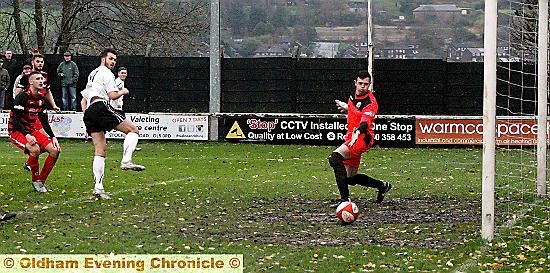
(362, 109)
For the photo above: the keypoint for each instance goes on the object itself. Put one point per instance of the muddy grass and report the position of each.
(431, 223)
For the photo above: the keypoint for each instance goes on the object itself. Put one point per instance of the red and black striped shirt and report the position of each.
(29, 113)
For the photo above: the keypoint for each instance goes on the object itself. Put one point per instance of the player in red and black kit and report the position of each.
(345, 160)
(30, 131)
(38, 65)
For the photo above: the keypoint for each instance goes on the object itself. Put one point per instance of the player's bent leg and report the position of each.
(382, 192)
(336, 162)
(129, 146)
(17, 139)
(365, 181)
(34, 152)
(49, 163)
(126, 126)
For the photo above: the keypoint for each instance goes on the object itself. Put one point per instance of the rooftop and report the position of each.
(437, 8)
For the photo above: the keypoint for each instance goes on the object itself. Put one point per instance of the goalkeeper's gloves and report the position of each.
(342, 106)
(354, 136)
(357, 131)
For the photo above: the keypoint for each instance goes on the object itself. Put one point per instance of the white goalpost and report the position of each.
(489, 122)
(515, 109)
(370, 41)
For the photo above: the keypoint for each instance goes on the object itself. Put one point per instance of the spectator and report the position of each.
(11, 65)
(68, 73)
(4, 83)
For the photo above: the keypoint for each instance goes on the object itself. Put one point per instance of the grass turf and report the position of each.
(268, 202)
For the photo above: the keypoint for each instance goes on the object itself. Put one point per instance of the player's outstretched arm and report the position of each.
(342, 106)
(51, 101)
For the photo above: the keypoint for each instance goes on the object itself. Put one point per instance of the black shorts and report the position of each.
(102, 117)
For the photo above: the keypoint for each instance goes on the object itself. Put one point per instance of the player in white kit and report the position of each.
(101, 117)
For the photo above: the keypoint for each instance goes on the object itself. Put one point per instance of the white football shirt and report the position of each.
(101, 81)
(117, 104)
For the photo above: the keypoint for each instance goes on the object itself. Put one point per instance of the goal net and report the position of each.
(515, 105)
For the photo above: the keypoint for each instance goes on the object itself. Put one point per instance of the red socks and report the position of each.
(49, 163)
(33, 164)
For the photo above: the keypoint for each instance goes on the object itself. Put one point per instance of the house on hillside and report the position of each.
(326, 49)
(397, 52)
(358, 6)
(474, 54)
(460, 52)
(349, 52)
(437, 13)
(288, 2)
(357, 49)
(277, 50)
(455, 51)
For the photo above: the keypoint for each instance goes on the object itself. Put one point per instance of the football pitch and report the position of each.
(267, 202)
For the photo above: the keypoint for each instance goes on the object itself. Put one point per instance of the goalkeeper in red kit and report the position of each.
(361, 110)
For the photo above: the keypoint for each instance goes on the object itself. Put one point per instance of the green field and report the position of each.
(269, 203)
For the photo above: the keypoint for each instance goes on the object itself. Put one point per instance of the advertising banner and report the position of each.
(470, 131)
(151, 126)
(399, 132)
(313, 131)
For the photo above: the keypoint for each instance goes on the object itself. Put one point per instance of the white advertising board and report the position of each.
(151, 126)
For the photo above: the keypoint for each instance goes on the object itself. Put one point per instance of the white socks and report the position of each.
(99, 171)
(130, 143)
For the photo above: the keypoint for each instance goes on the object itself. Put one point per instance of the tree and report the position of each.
(263, 28)
(257, 15)
(235, 17)
(304, 35)
(167, 27)
(282, 17)
(249, 46)
(431, 42)
(337, 13)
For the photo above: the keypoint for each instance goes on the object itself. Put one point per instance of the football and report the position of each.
(347, 212)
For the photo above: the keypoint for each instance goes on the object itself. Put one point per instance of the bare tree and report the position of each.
(18, 24)
(39, 24)
(167, 27)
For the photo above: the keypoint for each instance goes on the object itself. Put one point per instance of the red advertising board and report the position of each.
(469, 131)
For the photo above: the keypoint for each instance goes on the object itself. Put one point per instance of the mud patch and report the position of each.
(427, 222)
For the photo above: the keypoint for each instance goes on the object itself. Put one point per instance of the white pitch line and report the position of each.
(91, 198)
